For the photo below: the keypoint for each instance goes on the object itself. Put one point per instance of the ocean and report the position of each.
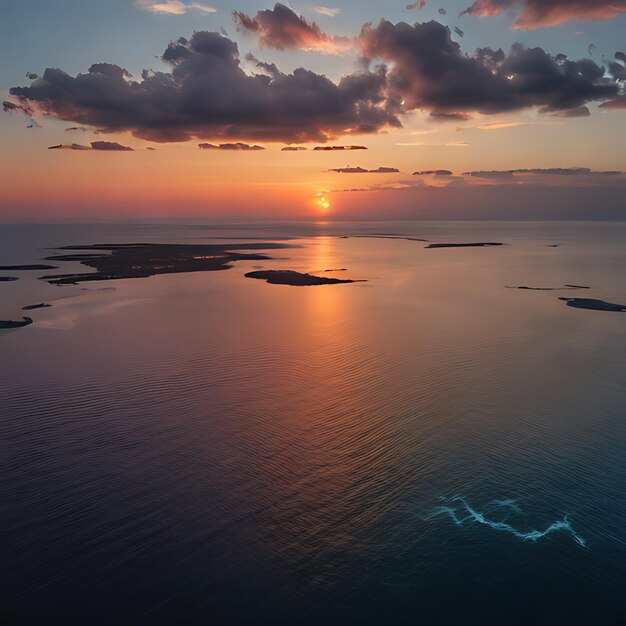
(430, 446)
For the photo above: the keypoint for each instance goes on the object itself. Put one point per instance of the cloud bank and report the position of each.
(207, 94)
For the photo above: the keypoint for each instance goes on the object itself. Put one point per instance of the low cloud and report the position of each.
(110, 145)
(360, 170)
(293, 149)
(334, 148)
(555, 171)
(69, 146)
(281, 28)
(173, 7)
(95, 145)
(433, 173)
(531, 14)
(230, 146)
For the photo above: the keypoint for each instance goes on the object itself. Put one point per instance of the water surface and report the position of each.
(205, 448)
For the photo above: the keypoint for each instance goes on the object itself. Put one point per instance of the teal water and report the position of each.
(427, 447)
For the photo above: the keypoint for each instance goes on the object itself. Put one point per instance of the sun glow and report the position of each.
(322, 202)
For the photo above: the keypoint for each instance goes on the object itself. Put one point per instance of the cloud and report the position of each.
(439, 116)
(95, 145)
(431, 72)
(581, 111)
(293, 149)
(360, 170)
(326, 11)
(110, 145)
(230, 146)
(618, 70)
(618, 103)
(172, 7)
(419, 5)
(207, 95)
(433, 173)
(334, 148)
(555, 171)
(281, 28)
(531, 14)
(12, 107)
(69, 146)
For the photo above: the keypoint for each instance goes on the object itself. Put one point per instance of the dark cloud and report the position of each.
(208, 96)
(110, 145)
(531, 14)
(618, 70)
(95, 145)
(230, 146)
(433, 173)
(431, 72)
(440, 116)
(360, 170)
(12, 107)
(69, 146)
(334, 148)
(293, 149)
(108, 69)
(283, 29)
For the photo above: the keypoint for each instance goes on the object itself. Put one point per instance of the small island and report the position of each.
(31, 307)
(564, 288)
(594, 305)
(480, 244)
(23, 268)
(296, 279)
(5, 324)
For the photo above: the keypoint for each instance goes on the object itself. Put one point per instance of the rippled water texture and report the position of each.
(211, 449)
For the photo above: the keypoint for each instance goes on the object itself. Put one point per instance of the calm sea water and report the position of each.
(210, 449)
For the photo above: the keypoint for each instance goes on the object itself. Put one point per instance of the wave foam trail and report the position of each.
(465, 513)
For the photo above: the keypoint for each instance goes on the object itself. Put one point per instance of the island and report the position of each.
(8, 279)
(31, 307)
(296, 279)
(140, 260)
(594, 305)
(564, 288)
(23, 268)
(5, 324)
(480, 244)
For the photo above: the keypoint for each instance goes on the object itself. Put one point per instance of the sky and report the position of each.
(447, 109)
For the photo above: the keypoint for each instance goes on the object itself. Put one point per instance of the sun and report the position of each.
(323, 202)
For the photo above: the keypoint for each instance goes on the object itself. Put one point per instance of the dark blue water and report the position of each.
(424, 448)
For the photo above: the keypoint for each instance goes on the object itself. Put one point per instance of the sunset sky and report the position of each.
(498, 109)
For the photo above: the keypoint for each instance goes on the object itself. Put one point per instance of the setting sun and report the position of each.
(322, 202)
